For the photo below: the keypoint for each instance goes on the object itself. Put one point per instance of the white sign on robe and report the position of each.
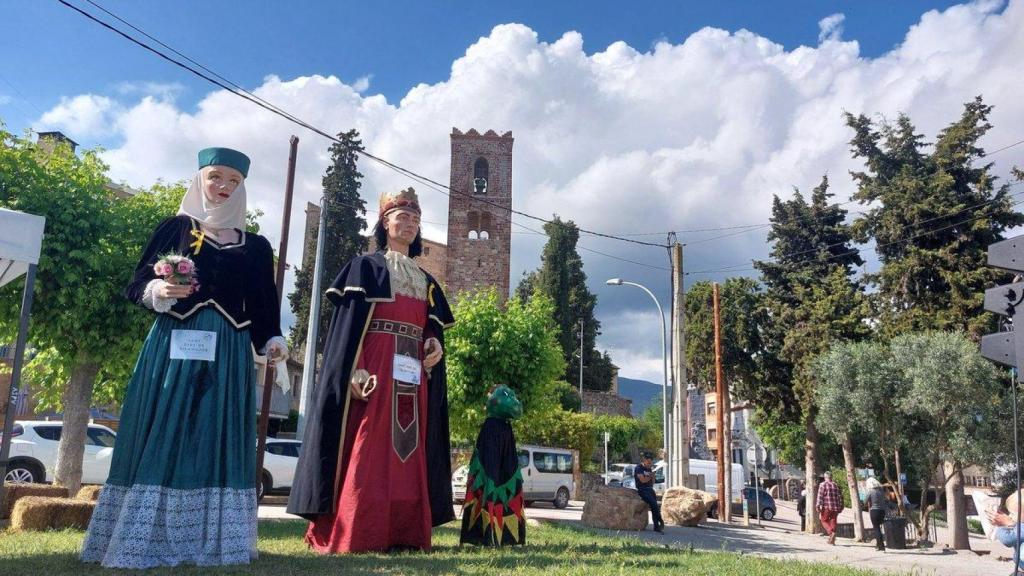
(21, 240)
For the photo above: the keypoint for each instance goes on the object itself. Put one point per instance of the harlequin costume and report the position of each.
(375, 473)
(492, 514)
(181, 488)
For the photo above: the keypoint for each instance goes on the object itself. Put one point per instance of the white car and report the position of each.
(279, 461)
(34, 452)
(617, 473)
(459, 484)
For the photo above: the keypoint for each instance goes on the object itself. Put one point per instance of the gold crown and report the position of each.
(404, 199)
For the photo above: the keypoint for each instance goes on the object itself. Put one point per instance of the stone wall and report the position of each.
(434, 260)
(479, 225)
(606, 403)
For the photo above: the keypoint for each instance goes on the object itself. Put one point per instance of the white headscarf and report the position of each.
(230, 214)
(873, 483)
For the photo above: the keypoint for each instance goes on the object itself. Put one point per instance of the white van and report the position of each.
(706, 468)
(547, 474)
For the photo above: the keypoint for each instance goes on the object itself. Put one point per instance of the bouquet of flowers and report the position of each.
(177, 269)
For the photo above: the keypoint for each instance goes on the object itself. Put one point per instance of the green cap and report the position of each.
(502, 403)
(224, 157)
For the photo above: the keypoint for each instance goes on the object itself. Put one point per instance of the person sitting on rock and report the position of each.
(644, 477)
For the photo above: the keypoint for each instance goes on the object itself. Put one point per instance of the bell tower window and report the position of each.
(481, 173)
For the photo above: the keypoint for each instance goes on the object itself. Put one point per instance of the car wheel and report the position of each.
(767, 514)
(22, 473)
(561, 498)
(264, 487)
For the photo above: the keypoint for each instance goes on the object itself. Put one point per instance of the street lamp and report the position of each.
(664, 359)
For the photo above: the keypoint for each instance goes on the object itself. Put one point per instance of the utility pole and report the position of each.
(282, 263)
(313, 324)
(680, 418)
(581, 365)
(723, 505)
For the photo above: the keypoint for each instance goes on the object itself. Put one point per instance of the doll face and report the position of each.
(219, 183)
(402, 227)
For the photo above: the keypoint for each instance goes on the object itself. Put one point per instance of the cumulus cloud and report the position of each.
(831, 27)
(683, 136)
(87, 114)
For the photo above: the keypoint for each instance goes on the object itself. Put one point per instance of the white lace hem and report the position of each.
(154, 302)
(145, 526)
(280, 340)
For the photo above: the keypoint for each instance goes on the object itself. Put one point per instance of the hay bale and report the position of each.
(89, 493)
(16, 491)
(42, 513)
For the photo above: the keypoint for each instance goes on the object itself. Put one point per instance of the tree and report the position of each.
(562, 279)
(741, 316)
(514, 345)
(812, 300)
(345, 221)
(87, 331)
(958, 398)
(933, 217)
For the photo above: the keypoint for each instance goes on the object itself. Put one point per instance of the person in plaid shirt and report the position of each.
(829, 504)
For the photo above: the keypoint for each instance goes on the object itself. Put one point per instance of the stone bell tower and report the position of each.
(479, 217)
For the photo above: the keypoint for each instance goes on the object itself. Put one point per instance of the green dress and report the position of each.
(181, 488)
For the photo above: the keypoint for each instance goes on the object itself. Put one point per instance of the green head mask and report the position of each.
(502, 403)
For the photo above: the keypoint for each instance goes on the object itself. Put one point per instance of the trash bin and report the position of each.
(895, 533)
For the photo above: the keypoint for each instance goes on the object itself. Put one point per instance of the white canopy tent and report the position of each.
(21, 240)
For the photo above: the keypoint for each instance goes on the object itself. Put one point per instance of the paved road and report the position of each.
(781, 539)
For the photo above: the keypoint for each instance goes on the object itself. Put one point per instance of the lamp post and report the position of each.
(664, 360)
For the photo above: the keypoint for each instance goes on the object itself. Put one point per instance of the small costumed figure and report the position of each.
(374, 473)
(493, 512)
(181, 488)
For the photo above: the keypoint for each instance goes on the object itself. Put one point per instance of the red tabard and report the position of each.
(383, 500)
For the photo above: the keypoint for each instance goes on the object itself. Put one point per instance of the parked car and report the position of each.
(547, 476)
(34, 452)
(761, 497)
(629, 480)
(279, 462)
(459, 484)
(617, 473)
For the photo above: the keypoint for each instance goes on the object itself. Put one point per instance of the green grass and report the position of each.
(553, 550)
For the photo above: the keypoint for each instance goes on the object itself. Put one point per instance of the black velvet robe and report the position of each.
(360, 283)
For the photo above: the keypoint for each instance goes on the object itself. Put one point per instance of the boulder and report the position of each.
(615, 508)
(685, 507)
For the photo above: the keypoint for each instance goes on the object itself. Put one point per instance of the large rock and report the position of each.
(615, 508)
(685, 507)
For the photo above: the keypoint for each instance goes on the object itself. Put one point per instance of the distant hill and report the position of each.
(641, 392)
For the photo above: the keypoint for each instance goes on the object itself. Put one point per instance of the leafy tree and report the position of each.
(561, 429)
(741, 317)
(561, 278)
(87, 332)
(812, 300)
(345, 221)
(932, 216)
(514, 345)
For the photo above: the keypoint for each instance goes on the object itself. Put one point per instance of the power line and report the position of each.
(858, 250)
(612, 256)
(245, 94)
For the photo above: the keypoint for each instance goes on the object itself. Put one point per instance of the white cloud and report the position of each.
(5, 99)
(691, 135)
(162, 90)
(831, 27)
(83, 116)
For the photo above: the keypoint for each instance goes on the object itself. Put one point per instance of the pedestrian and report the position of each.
(878, 504)
(829, 504)
(644, 477)
(374, 473)
(492, 514)
(181, 488)
(801, 509)
(1007, 528)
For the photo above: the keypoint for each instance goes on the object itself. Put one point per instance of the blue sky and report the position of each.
(627, 120)
(396, 44)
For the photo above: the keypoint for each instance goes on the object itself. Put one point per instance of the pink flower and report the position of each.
(163, 269)
(185, 267)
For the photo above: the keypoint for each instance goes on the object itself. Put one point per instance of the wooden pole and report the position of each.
(720, 411)
(282, 259)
